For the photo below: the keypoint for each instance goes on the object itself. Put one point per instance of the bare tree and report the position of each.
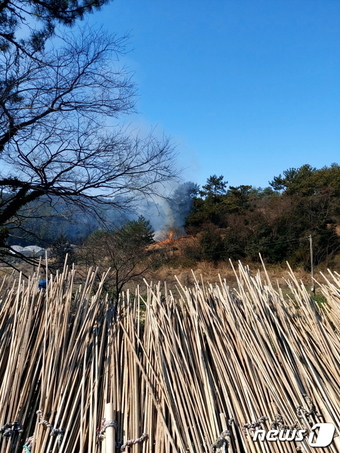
(124, 251)
(57, 108)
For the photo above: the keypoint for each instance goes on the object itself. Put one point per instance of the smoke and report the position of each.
(153, 211)
(180, 203)
(165, 214)
(169, 212)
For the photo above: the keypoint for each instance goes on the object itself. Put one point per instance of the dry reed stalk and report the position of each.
(196, 364)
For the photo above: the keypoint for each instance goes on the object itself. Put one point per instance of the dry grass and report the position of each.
(212, 273)
(171, 370)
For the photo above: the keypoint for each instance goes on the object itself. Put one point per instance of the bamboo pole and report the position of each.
(110, 431)
(245, 352)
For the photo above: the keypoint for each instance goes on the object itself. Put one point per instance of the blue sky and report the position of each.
(245, 88)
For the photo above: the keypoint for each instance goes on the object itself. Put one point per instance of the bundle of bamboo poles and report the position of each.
(195, 371)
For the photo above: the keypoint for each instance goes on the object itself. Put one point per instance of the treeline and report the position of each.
(242, 222)
(228, 222)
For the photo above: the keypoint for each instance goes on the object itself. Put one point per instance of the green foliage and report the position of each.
(307, 181)
(211, 244)
(209, 207)
(214, 188)
(276, 222)
(18, 17)
(237, 198)
(135, 234)
(295, 181)
(320, 300)
(235, 243)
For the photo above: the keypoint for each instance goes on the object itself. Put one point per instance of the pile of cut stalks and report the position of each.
(196, 370)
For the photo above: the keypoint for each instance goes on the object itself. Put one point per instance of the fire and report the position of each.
(169, 239)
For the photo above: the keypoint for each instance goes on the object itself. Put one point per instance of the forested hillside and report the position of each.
(226, 222)
(241, 222)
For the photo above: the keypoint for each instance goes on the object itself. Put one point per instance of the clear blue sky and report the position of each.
(246, 88)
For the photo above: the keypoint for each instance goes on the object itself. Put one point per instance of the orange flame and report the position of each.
(169, 239)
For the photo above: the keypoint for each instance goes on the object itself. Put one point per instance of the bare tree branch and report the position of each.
(54, 139)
